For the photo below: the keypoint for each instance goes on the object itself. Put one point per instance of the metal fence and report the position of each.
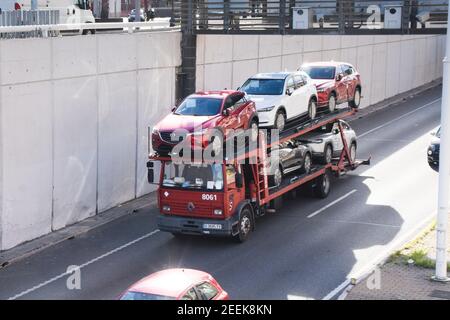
(28, 18)
(315, 16)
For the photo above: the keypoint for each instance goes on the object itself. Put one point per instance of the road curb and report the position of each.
(418, 233)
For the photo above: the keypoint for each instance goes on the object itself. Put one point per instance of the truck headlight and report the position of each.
(166, 208)
(218, 212)
(268, 109)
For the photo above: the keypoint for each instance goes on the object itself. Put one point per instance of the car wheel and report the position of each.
(323, 185)
(354, 103)
(312, 109)
(327, 154)
(307, 163)
(353, 152)
(276, 178)
(332, 103)
(280, 120)
(245, 225)
(254, 130)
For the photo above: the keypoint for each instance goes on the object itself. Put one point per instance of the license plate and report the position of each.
(212, 226)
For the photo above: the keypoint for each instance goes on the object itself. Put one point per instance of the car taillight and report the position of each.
(17, 6)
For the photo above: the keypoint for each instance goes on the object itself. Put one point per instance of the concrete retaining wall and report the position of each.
(74, 113)
(389, 64)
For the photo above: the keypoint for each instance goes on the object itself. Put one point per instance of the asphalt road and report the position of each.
(289, 255)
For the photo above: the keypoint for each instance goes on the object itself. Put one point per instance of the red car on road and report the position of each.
(336, 82)
(201, 111)
(176, 284)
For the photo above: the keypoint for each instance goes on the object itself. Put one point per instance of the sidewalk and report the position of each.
(406, 275)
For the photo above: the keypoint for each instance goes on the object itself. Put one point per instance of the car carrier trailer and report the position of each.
(237, 193)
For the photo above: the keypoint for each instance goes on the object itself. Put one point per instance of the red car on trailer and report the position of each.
(336, 83)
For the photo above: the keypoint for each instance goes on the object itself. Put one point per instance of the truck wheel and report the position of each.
(245, 225)
(354, 103)
(327, 154)
(323, 186)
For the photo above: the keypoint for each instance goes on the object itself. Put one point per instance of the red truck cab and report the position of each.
(202, 198)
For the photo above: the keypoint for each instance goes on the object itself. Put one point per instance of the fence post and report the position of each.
(282, 18)
(226, 15)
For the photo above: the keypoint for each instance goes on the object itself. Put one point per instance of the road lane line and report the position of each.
(42, 284)
(382, 256)
(396, 119)
(331, 204)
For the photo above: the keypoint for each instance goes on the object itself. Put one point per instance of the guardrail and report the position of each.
(56, 29)
(315, 16)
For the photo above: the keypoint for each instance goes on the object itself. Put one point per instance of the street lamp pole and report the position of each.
(444, 169)
(137, 8)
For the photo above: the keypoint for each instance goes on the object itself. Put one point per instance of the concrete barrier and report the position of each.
(389, 64)
(74, 113)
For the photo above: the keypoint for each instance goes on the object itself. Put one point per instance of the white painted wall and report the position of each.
(389, 64)
(74, 113)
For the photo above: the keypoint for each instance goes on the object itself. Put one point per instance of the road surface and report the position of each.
(307, 250)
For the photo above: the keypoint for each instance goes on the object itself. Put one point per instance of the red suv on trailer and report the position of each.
(201, 111)
(336, 82)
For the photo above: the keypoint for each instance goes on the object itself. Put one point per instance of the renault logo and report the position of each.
(190, 207)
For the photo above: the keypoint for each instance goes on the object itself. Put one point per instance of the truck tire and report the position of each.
(323, 185)
(245, 225)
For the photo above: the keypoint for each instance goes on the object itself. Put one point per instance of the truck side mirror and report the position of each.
(150, 172)
(238, 180)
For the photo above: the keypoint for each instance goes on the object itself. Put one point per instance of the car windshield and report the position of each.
(266, 87)
(199, 106)
(193, 176)
(132, 295)
(320, 72)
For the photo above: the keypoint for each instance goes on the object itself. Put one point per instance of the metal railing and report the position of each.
(27, 18)
(51, 30)
(315, 16)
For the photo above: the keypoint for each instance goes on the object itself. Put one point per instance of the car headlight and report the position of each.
(321, 90)
(268, 109)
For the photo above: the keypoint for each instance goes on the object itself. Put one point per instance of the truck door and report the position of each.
(234, 195)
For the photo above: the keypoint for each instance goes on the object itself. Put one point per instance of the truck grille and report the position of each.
(182, 209)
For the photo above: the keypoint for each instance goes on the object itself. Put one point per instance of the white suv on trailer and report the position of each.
(281, 96)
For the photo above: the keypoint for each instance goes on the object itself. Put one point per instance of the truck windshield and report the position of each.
(199, 106)
(263, 87)
(320, 72)
(193, 176)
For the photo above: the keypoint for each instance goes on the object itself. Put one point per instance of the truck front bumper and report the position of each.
(198, 226)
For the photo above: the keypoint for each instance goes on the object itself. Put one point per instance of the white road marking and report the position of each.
(331, 203)
(380, 258)
(399, 118)
(42, 284)
(367, 223)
